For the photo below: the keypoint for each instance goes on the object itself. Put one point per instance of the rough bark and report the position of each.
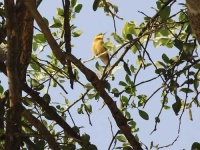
(13, 118)
(25, 34)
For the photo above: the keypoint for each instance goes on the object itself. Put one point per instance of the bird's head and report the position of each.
(99, 36)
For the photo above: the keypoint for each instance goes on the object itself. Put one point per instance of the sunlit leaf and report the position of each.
(39, 38)
(60, 12)
(121, 138)
(77, 33)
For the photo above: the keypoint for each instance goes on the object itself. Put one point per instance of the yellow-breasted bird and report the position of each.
(98, 48)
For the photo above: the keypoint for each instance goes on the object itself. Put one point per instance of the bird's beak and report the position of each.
(104, 33)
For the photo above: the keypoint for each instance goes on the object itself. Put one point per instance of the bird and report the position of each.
(193, 11)
(98, 48)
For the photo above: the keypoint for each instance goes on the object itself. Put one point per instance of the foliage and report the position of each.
(48, 79)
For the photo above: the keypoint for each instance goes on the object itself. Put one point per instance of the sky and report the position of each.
(92, 23)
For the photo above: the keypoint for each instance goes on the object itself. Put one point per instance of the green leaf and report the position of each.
(151, 145)
(186, 90)
(96, 4)
(178, 44)
(174, 59)
(47, 98)
(196, 83)
(133, 69)
(195, 146)
(160, 71)
(56, 25)
(166, 107)
(143, 114)
(129, 37)
(89, 86)
(164, 14)
(115, 91)
(159, 64)
(92, 147)
(122, 83)
(142, 100)
(130, 28)
(177, 105)
(140, 61)
(60, 12)
(88, 108)
(36, 85)
(85, 138)
(132, 124)
(117, 38)
(35, 46)
(121, 138)
(78, 8)
(182, 16)
(35, 67)
(127, 69)
(197, 66)
(28, 101)
(165, 58)
(1, 89)
(127, 78)
(77, 33)
(39, 38)
(73, 3)
(164, 32)
(125, 100)
(91, 96)
(48, 116)
(80, 111)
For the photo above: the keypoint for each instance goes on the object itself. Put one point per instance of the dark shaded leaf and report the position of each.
(47, 98)
(96, 4)
(143, 114)
(186, 90)
(177, 105)
(127, 69)
(195, 146)
(78, 8)
(165, 58)
(164, 14)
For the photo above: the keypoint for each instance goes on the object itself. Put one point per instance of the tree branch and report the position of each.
(41, 128)
(52, 114)
(67, 37)
(91, 77)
